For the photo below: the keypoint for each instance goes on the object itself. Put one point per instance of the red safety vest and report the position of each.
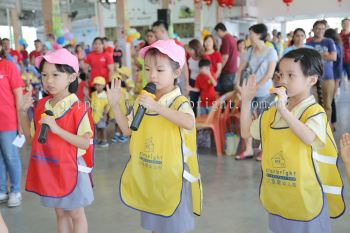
(53, 168)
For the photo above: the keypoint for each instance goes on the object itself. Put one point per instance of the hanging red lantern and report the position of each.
(287, 2)
(230, 3)
(208, 2)
(222, 3)
(197, 1)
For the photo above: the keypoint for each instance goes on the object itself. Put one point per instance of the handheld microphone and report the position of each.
(150, 88)
(44, 129)
(273, 97)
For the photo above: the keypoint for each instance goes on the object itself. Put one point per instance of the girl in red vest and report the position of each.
(59, 168)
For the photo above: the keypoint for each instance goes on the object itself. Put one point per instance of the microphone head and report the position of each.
(150, 88)
(49, 113)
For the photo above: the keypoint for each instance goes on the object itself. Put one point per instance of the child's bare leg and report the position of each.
(345, 152)
(3, 227)
(78, 217)
(64, 222)
(104, 134)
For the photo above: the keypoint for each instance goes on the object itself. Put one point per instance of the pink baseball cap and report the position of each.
(59, 56)
(168, 47)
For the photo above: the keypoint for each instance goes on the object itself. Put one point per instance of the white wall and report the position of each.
(303, 8)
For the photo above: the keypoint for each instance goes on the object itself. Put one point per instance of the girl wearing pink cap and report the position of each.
(60, 162)
(162, 178)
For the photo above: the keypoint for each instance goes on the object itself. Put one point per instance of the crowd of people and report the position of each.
(189, 79)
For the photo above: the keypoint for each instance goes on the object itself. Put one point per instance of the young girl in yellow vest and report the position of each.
(301, 186)
(345, 152)
(59, 168)
(161, 179)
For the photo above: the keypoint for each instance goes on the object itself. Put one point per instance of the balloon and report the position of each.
(73, 42)
(129, 39)
(137, 35)
(60, 40)
(68, 36)
(65, 30)
(135, 42)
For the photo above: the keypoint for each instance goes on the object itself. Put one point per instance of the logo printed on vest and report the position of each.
(279, 175)
(278, 160)
(149, 159)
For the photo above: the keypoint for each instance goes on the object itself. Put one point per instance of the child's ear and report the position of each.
(177, 73)
(72, 77)
(313, 80)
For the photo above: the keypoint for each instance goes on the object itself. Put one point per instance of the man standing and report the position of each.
(37, 52)
(326, 47)
(345, 37)
(229, 55)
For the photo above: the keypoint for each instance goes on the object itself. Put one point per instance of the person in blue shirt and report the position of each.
(298, 41)
(326, 47)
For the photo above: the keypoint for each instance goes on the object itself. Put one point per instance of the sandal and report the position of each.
(241, 156)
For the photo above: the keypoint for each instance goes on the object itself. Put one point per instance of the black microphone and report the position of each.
(44, 129)
(151, 89)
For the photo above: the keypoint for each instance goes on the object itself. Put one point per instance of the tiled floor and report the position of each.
(231, 202)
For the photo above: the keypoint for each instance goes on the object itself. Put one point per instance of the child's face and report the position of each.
(99, 87)
(55, 82)
(292, 77)
(209, 43)
(159, 71)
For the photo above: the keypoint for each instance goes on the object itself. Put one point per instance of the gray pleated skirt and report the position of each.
(320, 224)
(81, 196)
(181, 221)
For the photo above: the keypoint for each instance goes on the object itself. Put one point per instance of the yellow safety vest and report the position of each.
(295, 177)
(152, 180)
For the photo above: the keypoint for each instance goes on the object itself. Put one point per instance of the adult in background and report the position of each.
(196, 52)
(337, 70)
(345, 37)
(211, 49)
(117, 55)
(11, 85)
(326, 47)
(150, 37)
(298, 40)
(261, 61)
(229, 55)
(100, 62)
(37, 52)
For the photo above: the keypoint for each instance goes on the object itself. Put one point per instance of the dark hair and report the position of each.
(311, 64)
(204, 63)
(295, 32)
(105, 38)
(239, 41)
(5, 39)
(220, 26)
(215, 45)
(160, 23)
(98, 38)
(324, 22)
(73, 87)
(345, 19)
(197, 47)
(155, 52)
(78, 46)
(333, 34)
(260, 29)
(149, 30)
(37, 41)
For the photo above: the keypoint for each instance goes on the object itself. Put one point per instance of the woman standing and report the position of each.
(11, 85)
(298, 40)
(261, 61)
(211, 49)
(100, 62)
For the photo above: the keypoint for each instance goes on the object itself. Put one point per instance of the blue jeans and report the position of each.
(346, 67)
(10, 163)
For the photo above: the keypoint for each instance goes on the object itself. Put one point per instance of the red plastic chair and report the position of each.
(212, 121)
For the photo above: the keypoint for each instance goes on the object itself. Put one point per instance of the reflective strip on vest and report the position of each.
(189, 177)
(332, 189)
(84, 169)
(324, 158)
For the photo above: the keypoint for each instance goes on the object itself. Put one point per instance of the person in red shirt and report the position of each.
(345, 37)
(17, 58)
(211, 49)
(229, 55)
(205, 84)
(11, 85)
(101, 63)
(37, 52)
